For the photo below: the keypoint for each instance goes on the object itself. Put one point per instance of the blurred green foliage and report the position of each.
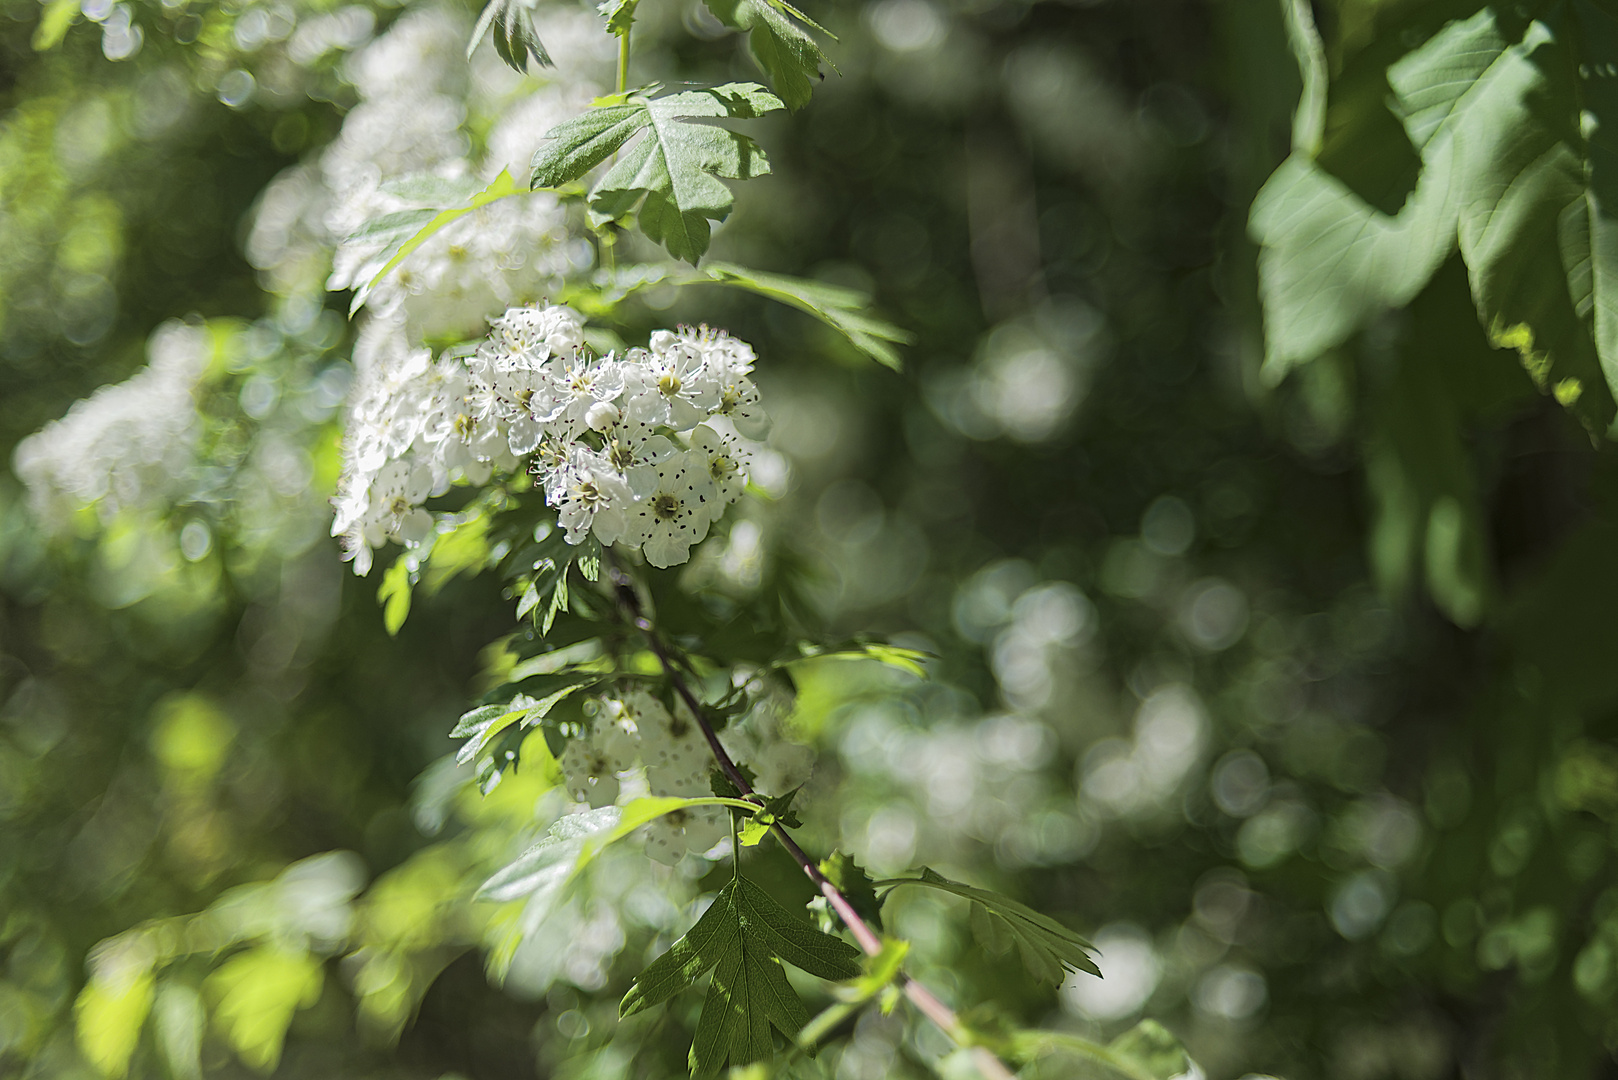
(1268, 582)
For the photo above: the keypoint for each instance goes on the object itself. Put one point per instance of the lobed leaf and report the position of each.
(780, 44)
(668, 165)
(1047, 948)
(742, 938)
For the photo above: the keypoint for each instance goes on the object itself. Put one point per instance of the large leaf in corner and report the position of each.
(743, 938)
(1526, 225)
(672, 165)
(1329, 260)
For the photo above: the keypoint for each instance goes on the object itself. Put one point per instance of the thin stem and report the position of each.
(988, 1065)
(623, 60)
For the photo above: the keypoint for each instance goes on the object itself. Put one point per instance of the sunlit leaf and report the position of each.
(776, 809)
(394, 595)
(575, 839)
(54, 21)
(668, 163)
(1147, 1051)
(108, 1014)
(258, 992)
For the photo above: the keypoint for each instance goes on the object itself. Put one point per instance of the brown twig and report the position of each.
(990, 1066)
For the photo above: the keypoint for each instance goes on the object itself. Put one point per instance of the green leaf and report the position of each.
(573, 841)
(776, 809)
(1525, 228)
(395, 227)
(464, 549)
(743, 938)
(1309, 120)
(483, 724)
(1329, 261)
(394, 595)
(911, 661)
(880, 972)
(1045, 945)
(620, 15)
(514, 37)
(786, 52)
(108, 1016)
(53, 24)
(855, 884)
(1147, 1051)
(844, 310)
(1595, 292)
(1506, 175)
(258, 991)
(674, 170)
(559, 596)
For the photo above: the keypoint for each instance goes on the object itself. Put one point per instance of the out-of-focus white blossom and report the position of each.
(130, 445)
(638, 731)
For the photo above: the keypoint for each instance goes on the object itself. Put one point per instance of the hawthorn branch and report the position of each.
(925, 1001)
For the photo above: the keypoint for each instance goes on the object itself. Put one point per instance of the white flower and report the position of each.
(675, 507)
(590, 771)
(727, 466)
(689, 829)
(511, 373)
(629, 443)
(538, 333)
(394, 512)
(602, 416)
(665, 384)
(737, 400)
(576, 385)
(589, 495)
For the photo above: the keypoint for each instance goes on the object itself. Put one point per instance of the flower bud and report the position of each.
(601, 416)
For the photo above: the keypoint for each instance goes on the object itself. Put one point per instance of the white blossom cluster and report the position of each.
(129, 445)
(644, 451)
